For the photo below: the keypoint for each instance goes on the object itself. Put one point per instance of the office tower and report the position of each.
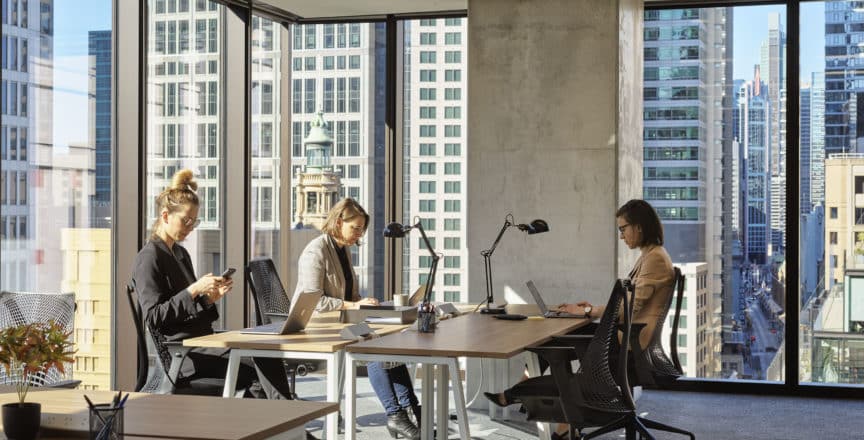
(755, 127)
(435, 111)
(184, 127)
(773, 72)
(843, 31)
(338, 69)
(695, 329)
(817, 138)
(804, 149)
(688, 150)
(100, 67)
(844, 216)
(27, 132)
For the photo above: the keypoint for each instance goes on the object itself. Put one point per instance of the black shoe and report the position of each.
(399, 424)
(496, 398)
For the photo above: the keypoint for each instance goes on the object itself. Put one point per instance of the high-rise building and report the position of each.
(436, 97)
(804, 149)
(773, 72)
(844, 216)
(755, 128)
(100, 67)
(843, 122)
(26, 102)
(817, 138)
(687, 148)
(338, 69)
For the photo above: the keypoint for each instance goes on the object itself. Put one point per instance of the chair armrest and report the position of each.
(67, 384)
(178, 355)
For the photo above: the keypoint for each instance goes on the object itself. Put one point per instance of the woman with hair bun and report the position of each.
(179, 305)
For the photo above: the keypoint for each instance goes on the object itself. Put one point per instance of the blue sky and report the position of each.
(751, 29)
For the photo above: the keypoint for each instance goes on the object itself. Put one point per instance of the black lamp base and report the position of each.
(492, 311)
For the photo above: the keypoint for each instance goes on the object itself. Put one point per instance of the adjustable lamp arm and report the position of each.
(433, 269)
(487, 261)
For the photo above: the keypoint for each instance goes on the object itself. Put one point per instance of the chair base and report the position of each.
(632, 426)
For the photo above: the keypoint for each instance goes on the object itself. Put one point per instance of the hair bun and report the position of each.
(184, 180)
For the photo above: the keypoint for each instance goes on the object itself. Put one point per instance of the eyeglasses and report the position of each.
(190, 222)
(622, 228)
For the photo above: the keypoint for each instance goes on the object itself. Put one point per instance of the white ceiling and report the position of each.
(322, 9)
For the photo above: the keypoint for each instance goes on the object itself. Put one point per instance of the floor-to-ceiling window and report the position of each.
(184, 129)
(715, 170)
(831, 156)
(434, 115)
(56, 153)
(337, 138)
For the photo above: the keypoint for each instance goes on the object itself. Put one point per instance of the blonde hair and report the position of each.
(180, 194)
(346, 210)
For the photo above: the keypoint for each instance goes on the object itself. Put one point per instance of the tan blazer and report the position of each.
(653, 276)
(319, 269)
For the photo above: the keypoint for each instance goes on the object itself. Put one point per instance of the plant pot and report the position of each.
(21, 421)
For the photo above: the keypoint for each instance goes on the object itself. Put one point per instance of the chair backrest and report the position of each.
(653, 365)
(18, 308)
(267, 289)
(148, 381)
(143, 361)
(601, 382)
(673, 336)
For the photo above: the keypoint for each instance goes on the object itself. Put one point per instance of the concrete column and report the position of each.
(554, 132)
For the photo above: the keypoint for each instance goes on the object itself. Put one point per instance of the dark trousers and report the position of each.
(213, 363)
(392, 386)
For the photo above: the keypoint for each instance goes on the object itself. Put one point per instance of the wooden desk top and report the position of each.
(472, 335)
(177, 416)
(320, 336)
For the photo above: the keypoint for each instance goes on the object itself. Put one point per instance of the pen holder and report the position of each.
(426, 319)
(106, 422)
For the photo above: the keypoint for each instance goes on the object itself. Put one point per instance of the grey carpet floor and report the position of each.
(708, 416)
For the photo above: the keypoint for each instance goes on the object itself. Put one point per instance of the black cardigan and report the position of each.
(161, 280)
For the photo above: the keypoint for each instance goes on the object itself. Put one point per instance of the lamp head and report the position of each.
(396, 230)
(535, 227)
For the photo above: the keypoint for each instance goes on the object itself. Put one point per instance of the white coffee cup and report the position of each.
(400, 299)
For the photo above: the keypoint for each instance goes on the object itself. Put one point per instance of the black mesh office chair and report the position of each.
(598, 393)
(163, 377)
(272, 304)
(17, 308)
(654, 368)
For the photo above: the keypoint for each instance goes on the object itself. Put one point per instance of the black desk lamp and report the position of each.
(398, 230)
(535, 227)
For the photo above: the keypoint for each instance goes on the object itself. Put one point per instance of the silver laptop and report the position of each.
(301, 311)
(413, 300)
(542, 305)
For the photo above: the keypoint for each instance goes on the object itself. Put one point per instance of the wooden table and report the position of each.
(65, 415)
(472, 335)
(320, 340)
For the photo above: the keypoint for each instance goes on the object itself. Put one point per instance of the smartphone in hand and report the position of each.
(228, 272)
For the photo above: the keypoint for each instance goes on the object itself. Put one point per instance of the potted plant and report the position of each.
(30, 349)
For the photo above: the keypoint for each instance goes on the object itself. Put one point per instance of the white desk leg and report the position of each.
(332, 419)
(350, 396)
(231, 374)
(441, 386)
(543, 429)
(459, 399)
(426, 429)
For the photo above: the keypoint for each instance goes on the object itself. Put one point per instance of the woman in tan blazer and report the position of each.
(653, 275)
(326, 265)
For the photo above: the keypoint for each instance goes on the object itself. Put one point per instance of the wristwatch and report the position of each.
(588, 311)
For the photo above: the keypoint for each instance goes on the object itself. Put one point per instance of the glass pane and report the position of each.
(267, 85)
(434, 147)
(55, 209)
(184, 92)
(832, 194)
(715, 170)
(343, 110)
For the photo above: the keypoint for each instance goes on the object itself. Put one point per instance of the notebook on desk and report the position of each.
(542, 305)
(301, 311)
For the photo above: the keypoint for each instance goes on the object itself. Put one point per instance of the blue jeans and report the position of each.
(393, 387)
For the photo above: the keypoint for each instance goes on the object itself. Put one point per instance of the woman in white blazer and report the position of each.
(326, 265)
